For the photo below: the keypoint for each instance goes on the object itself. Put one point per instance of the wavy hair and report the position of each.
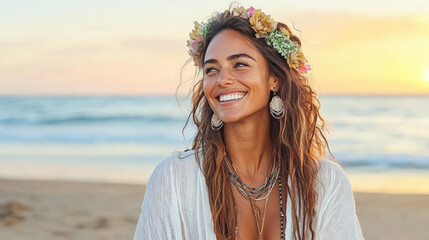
(297, 138)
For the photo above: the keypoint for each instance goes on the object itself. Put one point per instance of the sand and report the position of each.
(68, 210)
(76, 210)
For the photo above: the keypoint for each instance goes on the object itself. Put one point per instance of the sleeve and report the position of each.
(337, 219)
(159, 217)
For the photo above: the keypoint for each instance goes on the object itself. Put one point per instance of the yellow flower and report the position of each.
(239, 11)
(261, 23)
(296, 59)
(285, 32)
(195, 33)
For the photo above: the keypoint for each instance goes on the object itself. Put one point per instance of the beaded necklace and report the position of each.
(255, 194)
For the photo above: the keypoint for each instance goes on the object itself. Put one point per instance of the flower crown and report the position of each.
(274, 35)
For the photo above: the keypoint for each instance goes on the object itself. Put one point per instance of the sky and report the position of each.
(139, 47)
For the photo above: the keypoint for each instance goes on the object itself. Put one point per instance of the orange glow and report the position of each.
(350, 53)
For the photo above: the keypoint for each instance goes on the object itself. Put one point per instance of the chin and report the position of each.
(231, 119)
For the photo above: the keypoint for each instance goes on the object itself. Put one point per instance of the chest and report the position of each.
(268, 219)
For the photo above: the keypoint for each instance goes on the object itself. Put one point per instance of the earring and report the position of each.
(277, 107)
(216, 122)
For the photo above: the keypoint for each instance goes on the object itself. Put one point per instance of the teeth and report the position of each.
(231, 96)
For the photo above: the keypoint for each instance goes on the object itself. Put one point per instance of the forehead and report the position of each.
(229, 42)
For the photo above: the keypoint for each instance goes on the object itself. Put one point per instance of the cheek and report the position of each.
(208, 86)
(256, 81)
(260, 88)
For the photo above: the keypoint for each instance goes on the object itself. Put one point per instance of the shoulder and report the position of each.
(331, 177)
(335, 207)
(175, 166)
(163, 200)
(178, 160)
(330, 170)
(329, 167)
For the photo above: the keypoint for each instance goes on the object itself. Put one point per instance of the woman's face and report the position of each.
(236, 80)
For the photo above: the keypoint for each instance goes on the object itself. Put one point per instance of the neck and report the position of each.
(249, 146)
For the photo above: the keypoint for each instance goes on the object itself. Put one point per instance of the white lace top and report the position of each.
(176, 204)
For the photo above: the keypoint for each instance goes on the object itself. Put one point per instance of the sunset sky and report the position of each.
(139, 47)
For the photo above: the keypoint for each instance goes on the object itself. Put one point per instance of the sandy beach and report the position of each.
(76, 210)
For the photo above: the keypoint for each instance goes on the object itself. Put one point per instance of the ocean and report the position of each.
(121, 139)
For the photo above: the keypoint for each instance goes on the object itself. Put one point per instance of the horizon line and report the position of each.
(181, 95)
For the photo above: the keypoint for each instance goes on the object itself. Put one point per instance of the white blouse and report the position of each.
(176, 204)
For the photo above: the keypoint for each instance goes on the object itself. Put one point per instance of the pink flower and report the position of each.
(307, 67)
(251, 12)
(196, 42)
(303, 68)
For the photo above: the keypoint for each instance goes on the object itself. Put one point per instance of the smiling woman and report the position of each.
(235, 74)
(256, 169)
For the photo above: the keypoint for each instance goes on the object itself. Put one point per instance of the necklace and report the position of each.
(281, 210)
(255, 194)
(250, 192)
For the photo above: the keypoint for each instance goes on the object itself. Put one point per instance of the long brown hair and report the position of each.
(298, 137)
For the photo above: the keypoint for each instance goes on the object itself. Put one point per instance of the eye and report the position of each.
(241, 64)
(209, 70)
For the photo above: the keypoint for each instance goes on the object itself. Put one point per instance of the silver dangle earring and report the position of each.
(277, 107)
(216, 122)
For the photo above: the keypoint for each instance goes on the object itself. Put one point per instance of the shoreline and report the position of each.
(57, 209)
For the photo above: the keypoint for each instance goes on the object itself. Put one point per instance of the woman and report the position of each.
(256, 169)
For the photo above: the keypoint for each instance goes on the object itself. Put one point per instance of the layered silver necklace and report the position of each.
(257, 194)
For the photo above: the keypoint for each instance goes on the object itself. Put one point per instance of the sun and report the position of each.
(426, 75)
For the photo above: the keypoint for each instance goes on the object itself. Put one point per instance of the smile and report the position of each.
(231, 96)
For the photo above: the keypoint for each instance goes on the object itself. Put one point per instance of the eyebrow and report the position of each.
(230, 58)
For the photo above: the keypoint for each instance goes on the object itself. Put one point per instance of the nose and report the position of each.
(225, 77)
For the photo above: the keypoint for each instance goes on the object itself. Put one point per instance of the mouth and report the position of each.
(231, 96)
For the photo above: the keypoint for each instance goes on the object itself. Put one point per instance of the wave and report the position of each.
(384, 160)
(89, 119)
